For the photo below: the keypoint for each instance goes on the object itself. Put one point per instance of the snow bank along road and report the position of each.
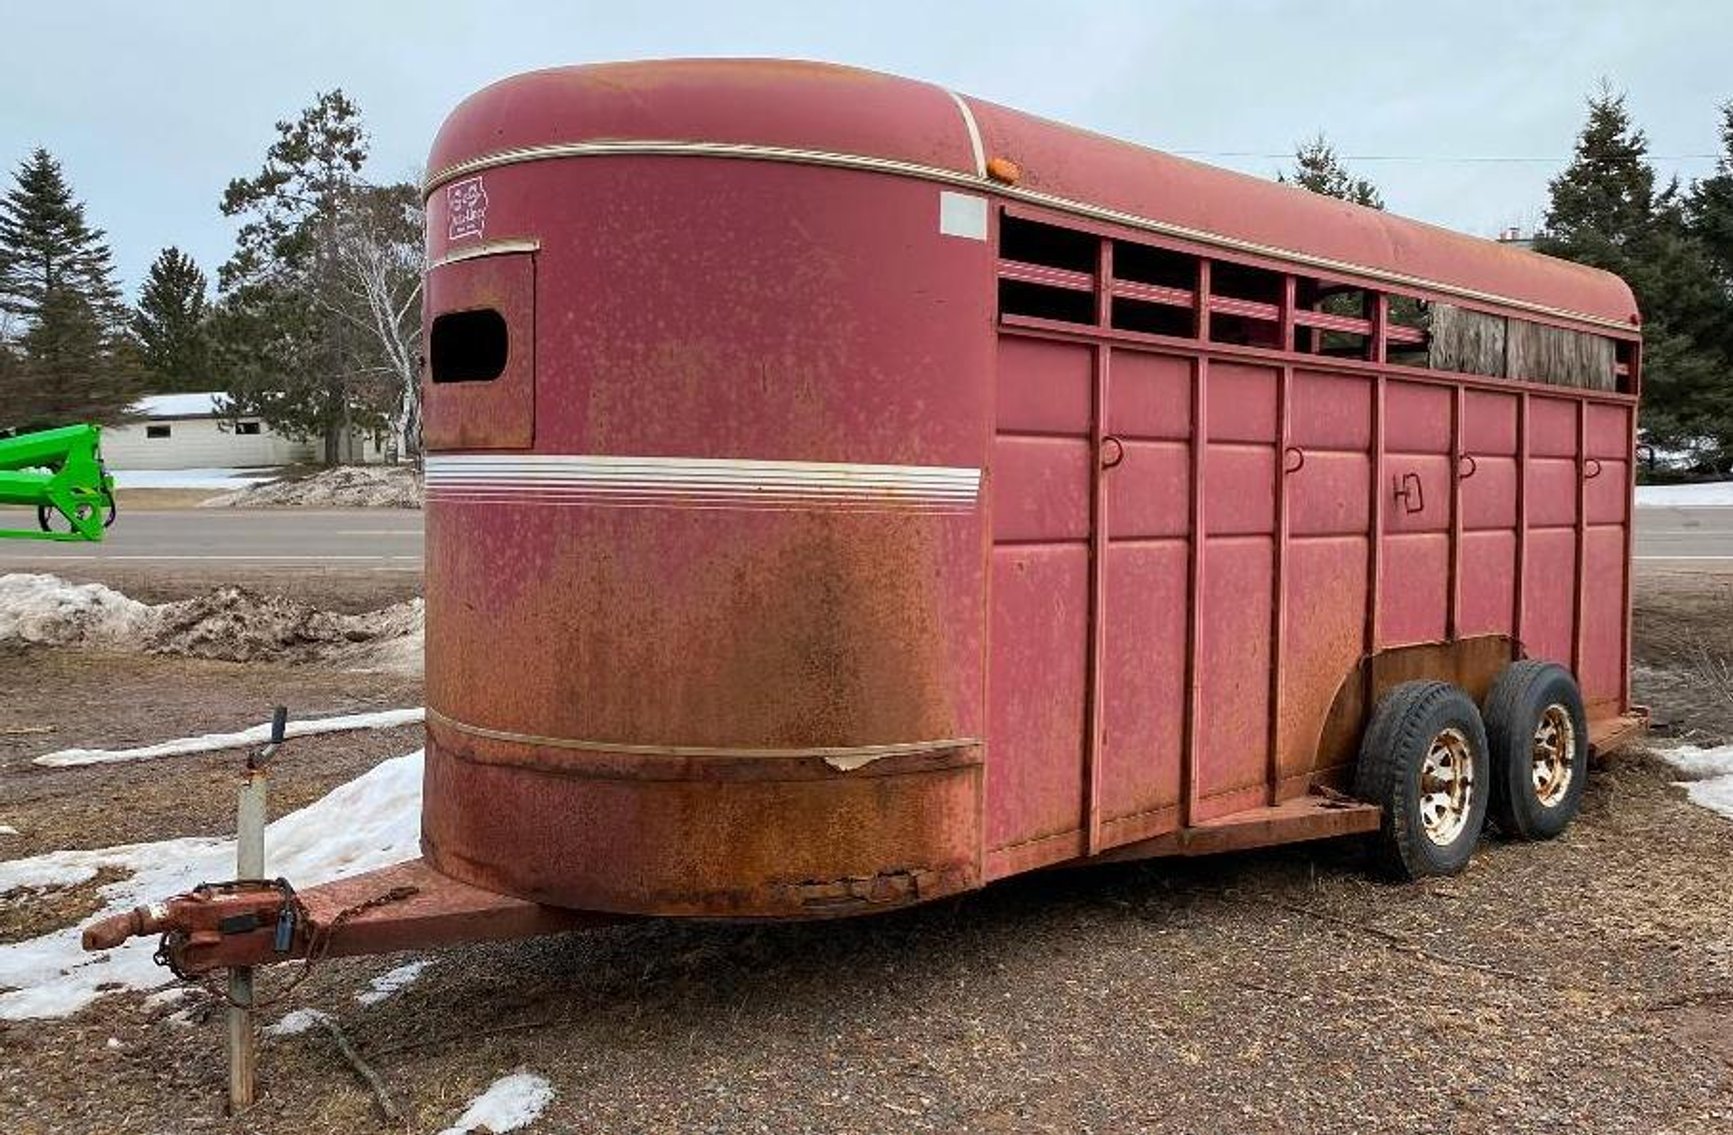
(384, 539)
(1682, 524)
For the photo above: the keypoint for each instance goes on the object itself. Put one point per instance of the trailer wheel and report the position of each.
(1539, 738)
(1424, 760)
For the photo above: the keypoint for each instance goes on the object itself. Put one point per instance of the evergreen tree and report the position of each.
(1710, 215)
(68, 368)
(70, 359)
(1603, 206)
(170, 325)
(1606, 211)
(46, 243)
(1317, 168)
(282, 340)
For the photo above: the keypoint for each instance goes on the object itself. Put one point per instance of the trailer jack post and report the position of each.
(249, 868)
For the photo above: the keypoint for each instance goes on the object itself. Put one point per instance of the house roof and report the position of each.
(178, 405)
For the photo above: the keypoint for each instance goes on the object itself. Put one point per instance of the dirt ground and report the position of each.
(1580, 985)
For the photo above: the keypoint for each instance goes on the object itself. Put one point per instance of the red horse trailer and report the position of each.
(842, 493)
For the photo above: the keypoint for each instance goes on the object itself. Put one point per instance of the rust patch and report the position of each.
(856, 893)
(1472, 663)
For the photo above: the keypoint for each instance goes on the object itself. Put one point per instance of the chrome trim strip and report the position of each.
(491, 248)
(974, 133)
(847, 753)
(979, 184)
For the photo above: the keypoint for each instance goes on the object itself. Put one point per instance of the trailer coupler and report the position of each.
(201, 929)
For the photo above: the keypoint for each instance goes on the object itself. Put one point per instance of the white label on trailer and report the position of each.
(466, 204)
(962, 214)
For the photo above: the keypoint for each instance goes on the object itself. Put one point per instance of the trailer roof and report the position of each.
(829, 114)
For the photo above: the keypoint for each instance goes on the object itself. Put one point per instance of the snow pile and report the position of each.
(510, 1103)
(1708, 775)
(345, 486)
(295, 1022)
(241, 625)
(1709, 494)
(372, 821)
(233, 624)
(390, 982)
(215, 742)
(212, 479)
(48, 610)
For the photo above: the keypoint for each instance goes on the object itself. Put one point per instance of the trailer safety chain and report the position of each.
(294, 914)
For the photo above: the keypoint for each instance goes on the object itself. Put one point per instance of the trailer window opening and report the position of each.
(1020, 297)
(1055, 274)
(1333, 319)
(1154, 318)
(1161, 267)
(1050, 246)
(1407, 337)
(468, 346)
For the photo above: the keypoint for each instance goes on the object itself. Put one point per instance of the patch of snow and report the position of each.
(47, 610)
(212, 479)
(179, 405)
(509, 1103)
(8, 829)
(390, 982)
(1707, 494)
(370, 822)
(214, 742)
(1708, 775)
(166, 996)
(295, 1022)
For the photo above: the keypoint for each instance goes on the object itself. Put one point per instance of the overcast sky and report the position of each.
(152, 107)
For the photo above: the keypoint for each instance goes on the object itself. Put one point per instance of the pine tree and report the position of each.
(170, 323)
(1603, 205)
(71, 359)
(283, 340)
(1317, 168)
(1709, 212)
(1607, 211)
(46, 243)
(69, 368)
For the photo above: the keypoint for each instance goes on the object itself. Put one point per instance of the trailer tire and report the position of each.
(1539, 738)
(1423, 735)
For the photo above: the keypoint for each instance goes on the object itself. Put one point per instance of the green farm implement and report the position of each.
(60, 472)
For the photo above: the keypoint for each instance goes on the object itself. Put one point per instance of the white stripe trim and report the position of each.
(974, 133)
(678, 480)
(1011, 192)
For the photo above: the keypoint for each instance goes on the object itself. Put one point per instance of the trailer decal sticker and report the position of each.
(466, 204)
(698, 482)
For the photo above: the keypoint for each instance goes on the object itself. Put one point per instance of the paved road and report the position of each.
(390, 539)
(1685, 537)
(380, 539)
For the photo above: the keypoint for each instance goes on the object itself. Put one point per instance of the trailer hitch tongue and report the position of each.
(193, 923)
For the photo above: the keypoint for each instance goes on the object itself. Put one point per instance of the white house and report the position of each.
(184, 431)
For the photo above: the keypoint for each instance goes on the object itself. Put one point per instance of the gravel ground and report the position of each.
(1580, 985)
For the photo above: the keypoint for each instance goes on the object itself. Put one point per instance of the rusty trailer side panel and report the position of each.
(784, 568)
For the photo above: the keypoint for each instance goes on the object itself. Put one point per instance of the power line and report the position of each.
(1288, 155)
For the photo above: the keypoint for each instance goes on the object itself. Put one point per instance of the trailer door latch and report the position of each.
(1408, 489)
